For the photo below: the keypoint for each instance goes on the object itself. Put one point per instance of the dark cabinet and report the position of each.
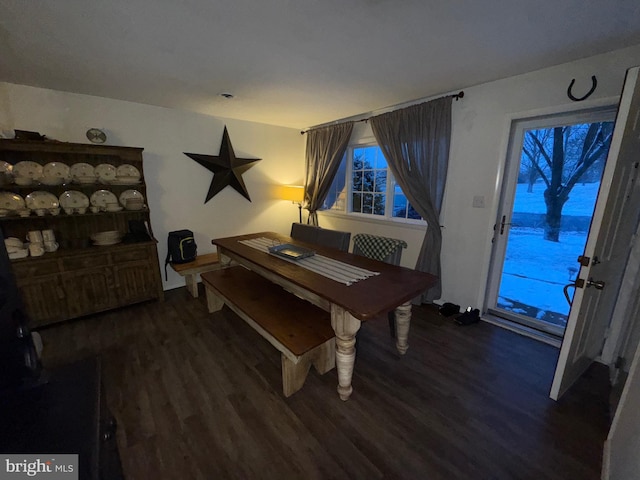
(66, 413)
(88, 291)
(75, 283)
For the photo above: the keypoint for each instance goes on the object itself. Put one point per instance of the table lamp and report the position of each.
(294, 193)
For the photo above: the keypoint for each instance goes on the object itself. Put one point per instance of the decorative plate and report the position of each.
(57, 170)
(100, 198)
(106, 172)
(11, 201)
(41, 199)
(73, 199)
(95, 135)
(127, 170)
(28, 169)
(127, 194)
(82, 170)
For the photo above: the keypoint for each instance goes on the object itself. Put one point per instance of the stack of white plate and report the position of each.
(107, 238)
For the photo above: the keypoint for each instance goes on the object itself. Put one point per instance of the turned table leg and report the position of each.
(403, 321)
(345, 326)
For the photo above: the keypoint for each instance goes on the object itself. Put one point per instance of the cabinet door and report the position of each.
(135, 282)
(44, 300)
(89, 291)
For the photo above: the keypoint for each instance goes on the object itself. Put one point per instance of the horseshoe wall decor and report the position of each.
(594, 84)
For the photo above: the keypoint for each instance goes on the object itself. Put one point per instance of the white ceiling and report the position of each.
(297, 63)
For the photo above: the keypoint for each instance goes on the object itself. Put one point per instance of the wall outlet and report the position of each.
(478, 201)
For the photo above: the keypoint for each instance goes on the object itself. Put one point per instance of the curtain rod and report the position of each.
(456, 96)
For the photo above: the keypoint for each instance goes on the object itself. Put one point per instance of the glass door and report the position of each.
(552, 179)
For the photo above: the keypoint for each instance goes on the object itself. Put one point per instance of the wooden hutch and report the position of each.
(81, 278)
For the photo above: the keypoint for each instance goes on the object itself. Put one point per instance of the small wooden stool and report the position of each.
(190, 271)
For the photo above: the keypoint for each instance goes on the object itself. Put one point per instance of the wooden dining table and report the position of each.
(390, 288)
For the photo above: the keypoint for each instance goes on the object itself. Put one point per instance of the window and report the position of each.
(368, 180)
(364, 185)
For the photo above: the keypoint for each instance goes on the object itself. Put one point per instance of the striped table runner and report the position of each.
(325, 266)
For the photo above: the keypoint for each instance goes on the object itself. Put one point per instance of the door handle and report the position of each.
(599, 285)
(502, 224)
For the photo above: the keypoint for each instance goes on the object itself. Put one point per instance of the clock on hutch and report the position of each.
(92, 200)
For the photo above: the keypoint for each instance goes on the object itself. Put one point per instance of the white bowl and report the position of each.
(127, 179)
(84, 179)
(134, 204)
(23, 181)
(52, 181)
(105, 236)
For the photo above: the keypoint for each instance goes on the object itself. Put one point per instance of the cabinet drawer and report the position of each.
(35, 268)
(85, 261)
(131, 255)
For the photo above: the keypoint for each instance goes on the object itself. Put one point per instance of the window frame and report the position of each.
(389, 192)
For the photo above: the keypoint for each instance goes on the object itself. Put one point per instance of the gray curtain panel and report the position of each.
(415, 141)
(325, 149)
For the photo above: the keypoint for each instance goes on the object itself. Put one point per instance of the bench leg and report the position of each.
(324, 358)
(191, 280)
(224, 261)
(294, 374)
(214, 302)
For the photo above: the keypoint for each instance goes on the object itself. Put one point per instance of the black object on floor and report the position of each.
(469, 317)
(449, 309)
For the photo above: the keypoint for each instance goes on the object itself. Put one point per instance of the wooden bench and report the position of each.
(299, 330)
(190, 271)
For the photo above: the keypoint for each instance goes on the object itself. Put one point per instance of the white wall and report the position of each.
(176, 185)
(481, 123)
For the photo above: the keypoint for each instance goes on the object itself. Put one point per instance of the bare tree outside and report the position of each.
(531, 162)
(561, 157)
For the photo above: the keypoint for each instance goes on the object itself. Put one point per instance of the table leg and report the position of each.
(345, 326)
(403, 321)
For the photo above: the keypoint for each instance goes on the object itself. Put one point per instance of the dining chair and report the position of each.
(388, 250)
(321, 236)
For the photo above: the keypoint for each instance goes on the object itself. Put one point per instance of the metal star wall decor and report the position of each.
(226, 167)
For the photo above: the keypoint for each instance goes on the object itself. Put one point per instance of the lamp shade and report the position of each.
(294, 193)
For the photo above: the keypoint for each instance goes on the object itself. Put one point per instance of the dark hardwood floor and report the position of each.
(199, 396)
